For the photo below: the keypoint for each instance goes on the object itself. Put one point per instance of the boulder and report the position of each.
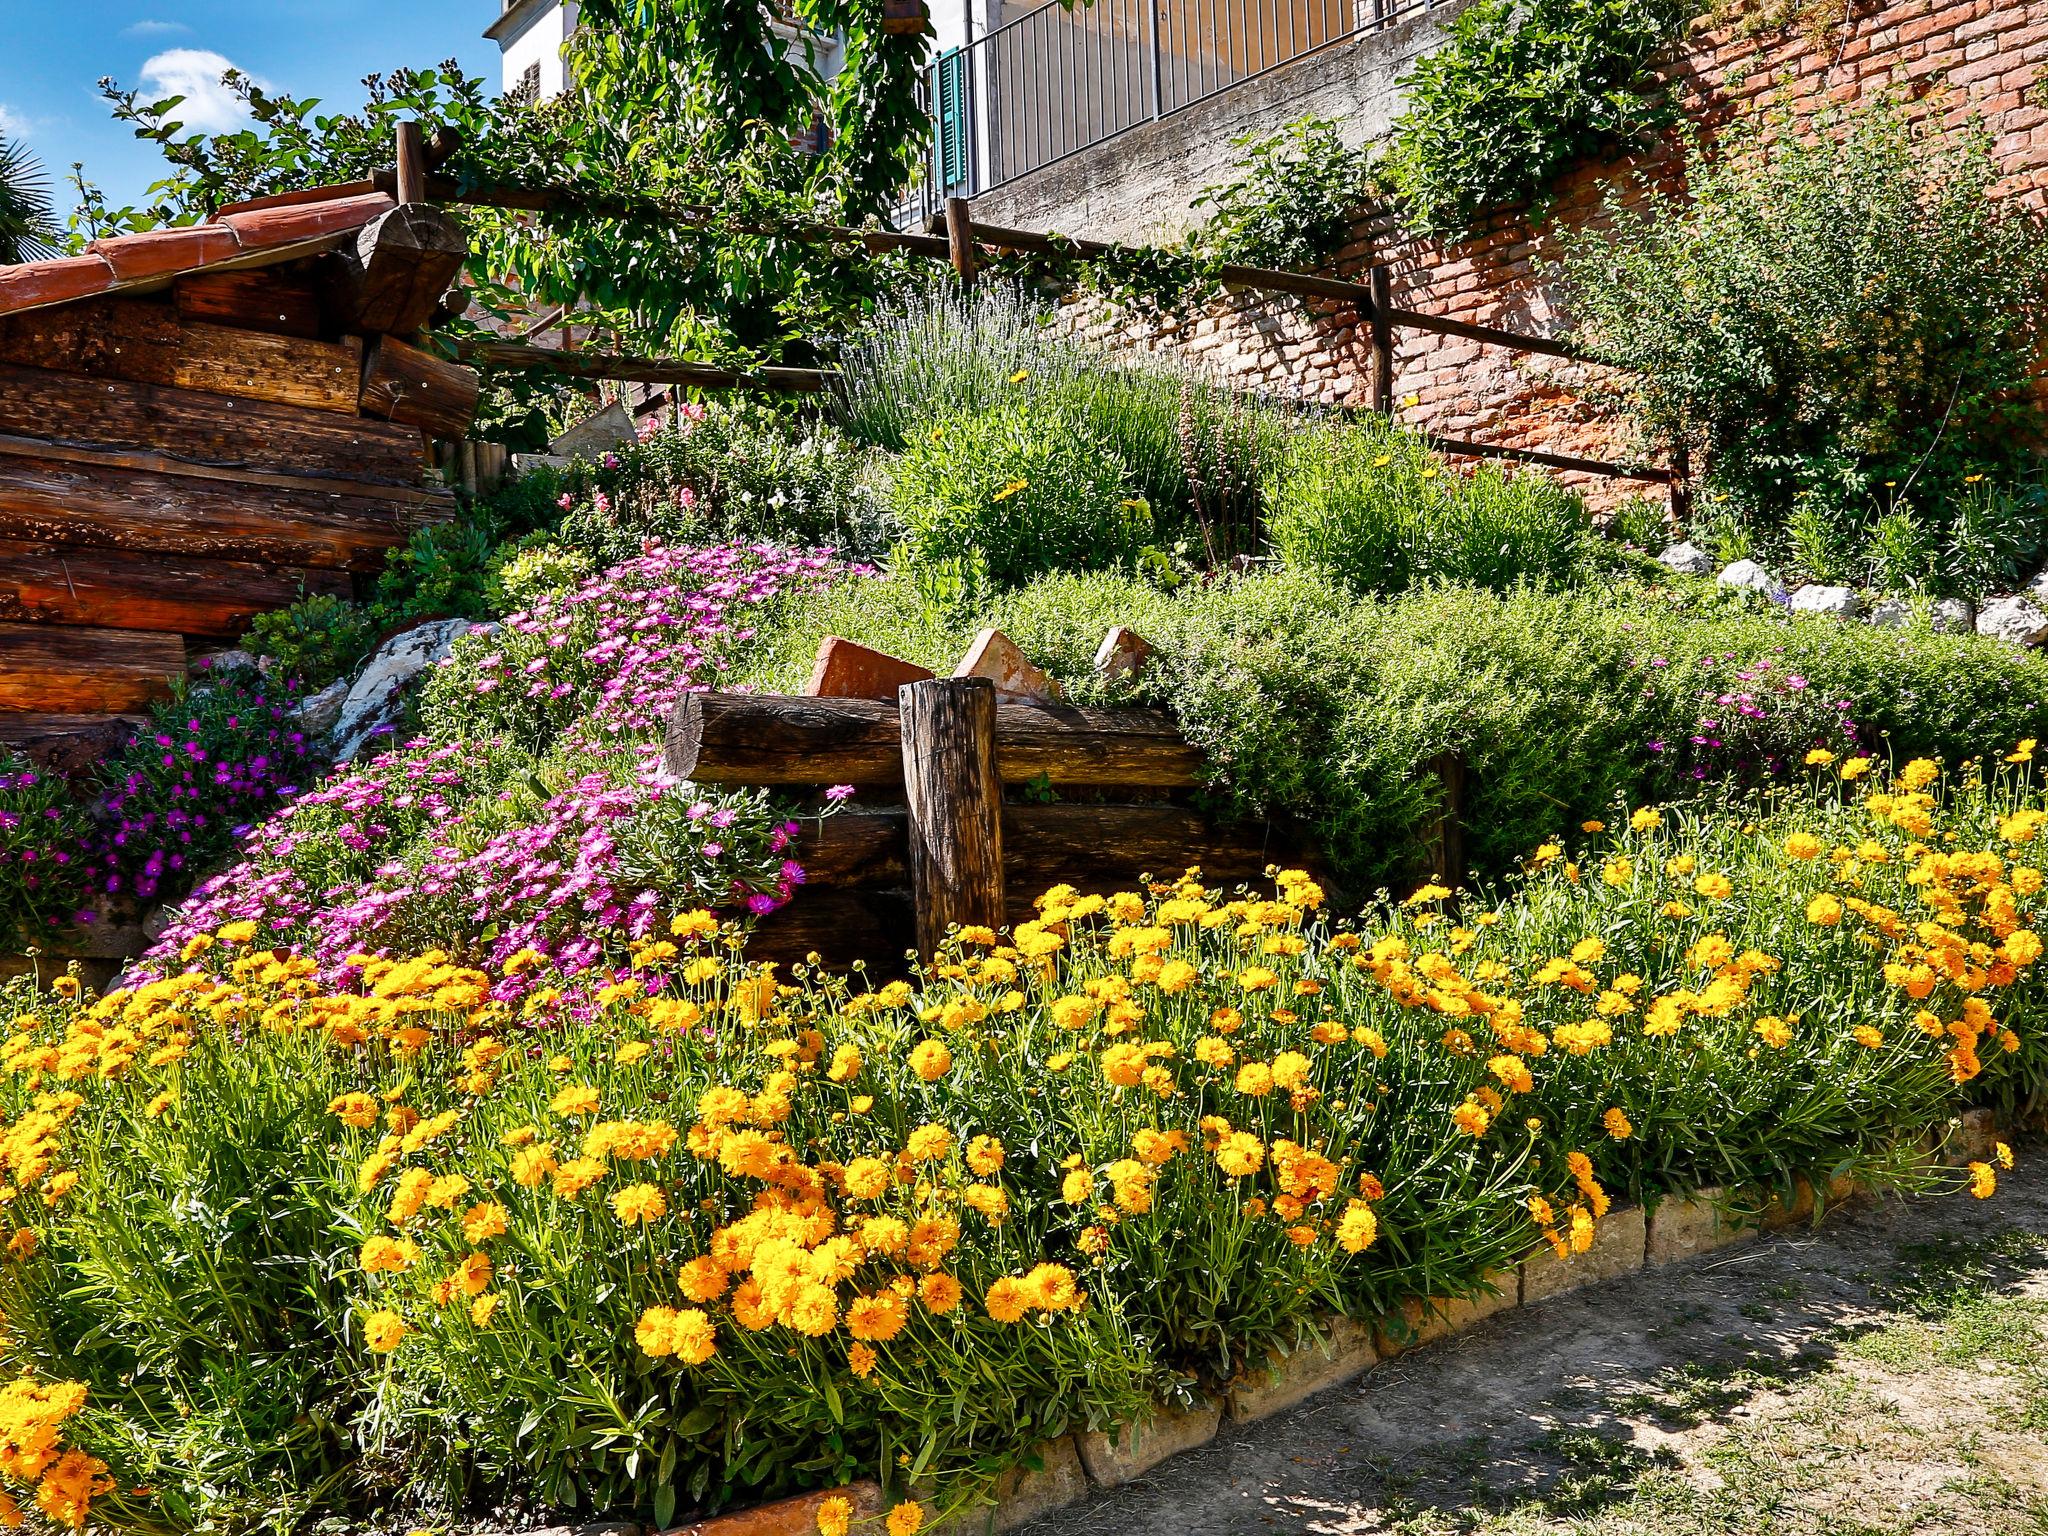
(2013, 619)
(220, 663)
(1954, 616)
(317, 713)
(375, 699)
(1687, 559)
(1892, 613)
(1840, 602)
(1752, 577)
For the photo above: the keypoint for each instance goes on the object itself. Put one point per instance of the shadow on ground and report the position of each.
(1886, 1372)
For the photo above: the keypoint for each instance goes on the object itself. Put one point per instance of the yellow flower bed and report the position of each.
(709, 1233)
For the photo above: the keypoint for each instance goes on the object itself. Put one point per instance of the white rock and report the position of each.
(2037, 589)
(1687, 559)
(317, 713)
(221, 663)
(1892, 613)
(374, 697)
(2014, 619)
(1954, 616)
(1841, 602)
(1750, 575)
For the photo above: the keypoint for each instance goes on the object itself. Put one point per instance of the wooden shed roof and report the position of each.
(253, 234)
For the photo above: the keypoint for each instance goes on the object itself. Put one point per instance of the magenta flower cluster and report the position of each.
(536, 813)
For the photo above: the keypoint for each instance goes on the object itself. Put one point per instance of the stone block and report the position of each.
(1122, 654)
(1137, 1448)
(1620, 1240)
(1345, 1351)
(1022, 1494)
(1779, 1213)
(1839, 602)
(995, 656)
(1682, 1228)
(846, 670)
(1419, 1321)
(1975, 1139)
(1752, 577)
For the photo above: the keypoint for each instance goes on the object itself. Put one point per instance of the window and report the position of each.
(950, 143)
(529, 80)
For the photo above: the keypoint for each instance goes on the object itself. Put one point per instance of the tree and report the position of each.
(28, 224)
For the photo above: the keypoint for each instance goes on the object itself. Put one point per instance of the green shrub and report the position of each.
(1521, 89)
(733, 469)
(43, 832)
(1328, 711)
(1842, 322)
(1003, 495)
(1194, 450)
(1371, 506)
(1291, 201)
(316, 640)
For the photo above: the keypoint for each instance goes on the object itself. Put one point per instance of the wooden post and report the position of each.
(960, 238)
(1382, 342)
(955, 798)
(1681, 482)
(412, 164)
(1446, 834)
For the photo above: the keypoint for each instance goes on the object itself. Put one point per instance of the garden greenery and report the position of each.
(1520, 90)
(1842, 323)
(426, 1235)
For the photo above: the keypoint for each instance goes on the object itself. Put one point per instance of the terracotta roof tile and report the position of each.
(307, 221)
(35, 283)
(127, 261)
(158, 251)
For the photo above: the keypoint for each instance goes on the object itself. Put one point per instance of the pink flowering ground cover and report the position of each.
(534, 812)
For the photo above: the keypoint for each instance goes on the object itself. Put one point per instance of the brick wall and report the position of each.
(1952, 60)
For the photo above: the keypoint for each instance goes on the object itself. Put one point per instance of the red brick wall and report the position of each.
(1952, 60)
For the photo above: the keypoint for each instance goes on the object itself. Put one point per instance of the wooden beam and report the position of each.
(55, 669)
(412, 163)
(954, 796)
(1456, 446)
(393, 278)
(780, 740)
(184, 594)
(148, 343)
(1382, 341)
(406, 384)
(198, 428)
(145, 502)
(66, 743)
(1098, 847)
(643, 370)
(840, 927)
(960, 239)
(286, 302)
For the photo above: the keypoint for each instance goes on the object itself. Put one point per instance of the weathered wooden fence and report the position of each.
(952, 821)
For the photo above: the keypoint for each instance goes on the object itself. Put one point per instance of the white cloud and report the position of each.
(154, 29)
(13, 125)
(194, 73)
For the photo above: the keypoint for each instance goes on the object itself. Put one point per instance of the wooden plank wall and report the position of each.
(175, 464)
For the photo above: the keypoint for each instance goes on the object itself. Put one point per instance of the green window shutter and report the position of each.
(950, 141)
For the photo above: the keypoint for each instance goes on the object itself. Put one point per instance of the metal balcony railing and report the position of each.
(1054, 81)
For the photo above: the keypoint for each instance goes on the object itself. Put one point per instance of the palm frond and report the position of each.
(28, 217)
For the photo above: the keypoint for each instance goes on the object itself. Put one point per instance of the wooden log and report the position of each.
(1096, 847)
(273, 299)
(411, 163)
(642, 370)
(405, 384)
(65, 743)
(954, 796)
(1382, 341)
(960, 239)
(393, 277)
(206, 429)
(56, 669)
(777, 739)
(147, 343)
(189, 595)
(146, 502)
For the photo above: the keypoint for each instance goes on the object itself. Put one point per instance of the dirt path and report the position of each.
(1885, 1374)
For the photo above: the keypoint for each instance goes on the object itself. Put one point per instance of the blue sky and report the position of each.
(58, 49)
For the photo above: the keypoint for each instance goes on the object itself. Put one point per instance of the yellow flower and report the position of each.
(357, 1109)
(835, 1514)
(2023, 753)
(576, 1099)
(931, 1060)
(1357, 1227)
(1819, 757)
(1648, 819)
(1983, 1182)
(389, 1255)
(1012, 488)
(906, 1518)
(1868, 1035)
(238, 933)
(1824, 910)
(939, 1292)
(1617, 1124)
(1855, 768)
(383, 1332)
(639, 1203)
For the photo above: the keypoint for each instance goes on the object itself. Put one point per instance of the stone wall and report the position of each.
(1953, 60)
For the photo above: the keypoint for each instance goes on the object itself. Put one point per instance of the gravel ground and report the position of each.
(1886, 1373)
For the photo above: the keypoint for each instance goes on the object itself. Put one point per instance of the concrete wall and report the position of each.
(1141, 185)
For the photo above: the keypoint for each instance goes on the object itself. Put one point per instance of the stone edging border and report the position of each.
(1628, 1239)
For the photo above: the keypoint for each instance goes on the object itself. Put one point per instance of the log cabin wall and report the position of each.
(199, 425)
